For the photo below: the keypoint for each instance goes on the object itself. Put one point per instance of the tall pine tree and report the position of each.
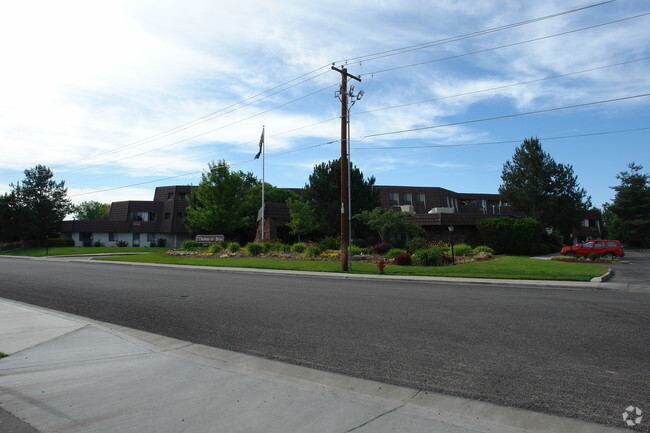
(534, 184)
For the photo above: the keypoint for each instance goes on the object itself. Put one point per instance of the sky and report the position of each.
(119, 97)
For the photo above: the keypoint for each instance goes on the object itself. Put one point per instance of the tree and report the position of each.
(215, 205)
(389, 224)
(15, 219)
(628, 216)
(533, 183)
(252, 202)
(38, 204)
(92, 210)
(323, 193)
(303, 219)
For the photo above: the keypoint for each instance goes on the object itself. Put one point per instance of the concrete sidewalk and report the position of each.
(70, 374)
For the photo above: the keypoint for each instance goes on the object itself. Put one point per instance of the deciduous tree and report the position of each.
(389, 224)
(215, 206)
(92, 210)
(303, 219)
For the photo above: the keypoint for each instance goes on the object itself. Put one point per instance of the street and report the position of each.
(575, 353)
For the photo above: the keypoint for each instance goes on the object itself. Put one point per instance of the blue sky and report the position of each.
(120, 97)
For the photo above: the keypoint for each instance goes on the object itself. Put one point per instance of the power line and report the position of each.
(408, 49)
(392, 133)
(388, 108)
(561, 137)
(507, 116)
(505, 46)
(369, 57)
(505, 86)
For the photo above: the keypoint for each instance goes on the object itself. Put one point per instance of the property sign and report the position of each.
(208, 239)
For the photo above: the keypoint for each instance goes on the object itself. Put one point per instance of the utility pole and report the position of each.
(344, 165)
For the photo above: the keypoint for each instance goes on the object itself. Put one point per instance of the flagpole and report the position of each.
(263, 181)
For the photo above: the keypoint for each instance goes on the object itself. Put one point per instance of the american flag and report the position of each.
(261, 144)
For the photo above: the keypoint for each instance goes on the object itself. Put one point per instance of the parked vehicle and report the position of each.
(604, 248)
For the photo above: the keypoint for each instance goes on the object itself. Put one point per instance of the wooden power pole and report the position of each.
(345, 211)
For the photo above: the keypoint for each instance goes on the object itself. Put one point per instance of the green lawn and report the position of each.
(509, 267)
(64, 251)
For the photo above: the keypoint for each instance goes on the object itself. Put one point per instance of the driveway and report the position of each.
(633, 269)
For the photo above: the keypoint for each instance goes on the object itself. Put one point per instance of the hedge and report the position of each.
(517, 236)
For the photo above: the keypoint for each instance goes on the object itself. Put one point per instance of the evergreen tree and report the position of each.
(37, 205)
(628, 216)
(534, 184)
(323, 193)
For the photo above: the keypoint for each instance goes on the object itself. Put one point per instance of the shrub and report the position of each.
(462, 250)
(233, 247)
(273, 247)
(122, 244)
(99, 244)
(330, 243)
(394, 251)
(402, 259)
(216, 247)
(381, 248)
(431, 256)
(254, 249)
(189, 244)
(482, 249)
(593, 257)
(298, 248)
(87, 243)
(520, 236)
(355, 250)
(548, 248)
(415, 244)
(60, 242)
(312, 251)
(162, 242)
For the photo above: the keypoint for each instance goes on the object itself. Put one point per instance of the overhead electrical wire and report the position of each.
(368, 57)
(424, 45)
(485, 143)
(385, 70)
(505, 46)
(507, 116)
(175, 160)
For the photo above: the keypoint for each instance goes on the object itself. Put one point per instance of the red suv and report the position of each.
(604, 248)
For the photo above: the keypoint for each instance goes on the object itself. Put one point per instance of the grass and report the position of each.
(64, 251)
(505, 267)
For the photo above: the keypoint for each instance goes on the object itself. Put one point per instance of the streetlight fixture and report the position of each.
(451, 239)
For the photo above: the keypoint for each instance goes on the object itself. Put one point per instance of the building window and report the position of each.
(179, 214)
(152, 216)
(137, 216)
(85, 236)
(168, 215)
(393, 196)
(182, 196)
(170, 195)
(419, 197)
(151, 237)
(111, 237)
(407, 196)
(136, 239)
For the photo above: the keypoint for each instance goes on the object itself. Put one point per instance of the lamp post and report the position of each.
(451, 239)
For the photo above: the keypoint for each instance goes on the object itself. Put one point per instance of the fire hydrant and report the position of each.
(380, 266)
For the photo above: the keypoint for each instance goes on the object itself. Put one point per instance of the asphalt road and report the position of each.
(576, 353)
